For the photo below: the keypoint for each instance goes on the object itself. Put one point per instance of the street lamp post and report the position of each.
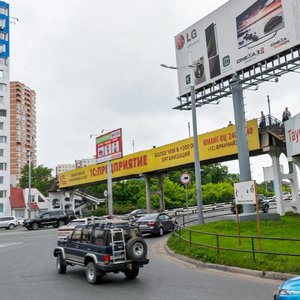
(29, 184)
(196, 146)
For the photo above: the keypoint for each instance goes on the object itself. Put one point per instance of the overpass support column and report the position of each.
(241, 134)
(277, 181)
(148, 192)
(161, 192)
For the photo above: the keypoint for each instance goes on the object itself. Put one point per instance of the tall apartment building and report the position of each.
(22, 129)
(5, 208)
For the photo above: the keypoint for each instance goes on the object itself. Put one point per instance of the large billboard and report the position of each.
(214, 144)
(292, 136)
(234, 37)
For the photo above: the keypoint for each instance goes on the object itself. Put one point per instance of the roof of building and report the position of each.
(16, 198)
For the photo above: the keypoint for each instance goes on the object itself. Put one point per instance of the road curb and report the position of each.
(256, 273)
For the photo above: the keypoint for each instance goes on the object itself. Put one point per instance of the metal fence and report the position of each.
(252, 245)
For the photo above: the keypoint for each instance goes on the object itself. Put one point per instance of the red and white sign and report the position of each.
(185, 178)
(109, 146)
(292, 136)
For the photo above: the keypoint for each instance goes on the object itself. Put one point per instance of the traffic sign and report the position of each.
(185, 178)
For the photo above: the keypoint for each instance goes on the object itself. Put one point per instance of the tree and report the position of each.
(214, 173)
(41, 178)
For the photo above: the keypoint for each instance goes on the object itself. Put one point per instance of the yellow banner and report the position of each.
(214, 144)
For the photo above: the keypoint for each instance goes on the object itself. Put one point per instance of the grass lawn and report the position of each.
(287, 227)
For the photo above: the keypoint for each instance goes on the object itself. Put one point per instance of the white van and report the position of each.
(8, 222)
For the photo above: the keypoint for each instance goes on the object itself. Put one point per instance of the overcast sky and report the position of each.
(95, 65)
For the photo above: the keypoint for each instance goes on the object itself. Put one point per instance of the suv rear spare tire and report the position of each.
(136, 249)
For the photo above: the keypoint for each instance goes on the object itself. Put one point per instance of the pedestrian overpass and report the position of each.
(215, 146)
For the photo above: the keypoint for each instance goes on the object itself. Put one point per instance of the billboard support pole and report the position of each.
(196, 149)
(196, 155)
(109, 189)
(241, 134)
(195, 137)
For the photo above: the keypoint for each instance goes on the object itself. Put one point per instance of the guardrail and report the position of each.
(194, 209)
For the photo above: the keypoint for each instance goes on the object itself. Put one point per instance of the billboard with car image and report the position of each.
(236, 36)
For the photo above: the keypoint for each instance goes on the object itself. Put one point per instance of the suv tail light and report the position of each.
(152, 223)
(106, 259)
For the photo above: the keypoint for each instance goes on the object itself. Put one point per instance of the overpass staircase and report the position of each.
(271, 132)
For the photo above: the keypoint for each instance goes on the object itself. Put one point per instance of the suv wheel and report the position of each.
(136, 248)
(60, 264)
(91, 273)
(60, 223)
(131, 273)
(35, 226)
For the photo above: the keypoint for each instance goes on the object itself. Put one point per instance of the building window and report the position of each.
(2, 24)
(2, 85)
(1, 152)
(3, 36)
(1, 207)
(2, 112)
(2, 48)
(3, 61)
(1, 125)
(1, 179)
(3, 11)
(1, 97)
(40, 199)
(3, 166)
(3, 139)
(2, 194)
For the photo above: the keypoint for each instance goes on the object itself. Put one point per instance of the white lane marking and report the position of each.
(10, 244)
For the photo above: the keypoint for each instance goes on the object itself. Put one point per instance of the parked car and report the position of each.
(263, 205)
(135, 214)
(157, 223)
(55, 218)
(289, 289)
(285, 196)
(20, 221)
(108, 246)
(64, 231)
(9, 222)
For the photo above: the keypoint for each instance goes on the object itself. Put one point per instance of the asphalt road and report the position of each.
(28, 273)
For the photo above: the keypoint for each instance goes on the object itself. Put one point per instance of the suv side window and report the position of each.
(45, 216)
(86, 235)
(56, 213)
(98, 237)
(76, 235)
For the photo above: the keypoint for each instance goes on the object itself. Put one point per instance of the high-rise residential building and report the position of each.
(22, 129)
(5, 208)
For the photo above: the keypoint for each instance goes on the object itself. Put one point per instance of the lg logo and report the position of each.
(188, 37)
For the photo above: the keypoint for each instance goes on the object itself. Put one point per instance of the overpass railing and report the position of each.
(271, 124)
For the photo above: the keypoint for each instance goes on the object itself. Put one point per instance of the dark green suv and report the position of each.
(108, 246)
